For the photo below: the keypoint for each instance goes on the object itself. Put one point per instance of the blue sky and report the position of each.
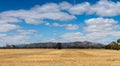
(30, 21)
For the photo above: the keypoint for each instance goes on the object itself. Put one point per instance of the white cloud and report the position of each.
(37, 14)
(65, 5)
(46, 8)
(100, 30)
(47, 23)
(92, 37)
(8, 27)
(67, 26)
(101, 25)
(58, 25)
(78, 36)
(72, 27)
(13, 39)
(101, 8)
(53, 11)
(2, 35)
(115, 33)
(105, 8)
(57, 16)
(74, 36)
(51, 40)
(19, 37)
(80, 8)
(26, 32)
(8, 20)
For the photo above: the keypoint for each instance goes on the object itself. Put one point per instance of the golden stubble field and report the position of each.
(56, 57)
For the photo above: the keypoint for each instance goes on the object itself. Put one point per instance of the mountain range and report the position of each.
(77, 44)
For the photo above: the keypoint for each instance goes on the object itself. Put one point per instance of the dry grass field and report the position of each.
(55, 57)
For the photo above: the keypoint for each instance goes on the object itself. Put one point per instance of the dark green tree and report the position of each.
(112, 45)
(59, 45)
(118, 41)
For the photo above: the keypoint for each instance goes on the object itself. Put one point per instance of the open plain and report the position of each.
(62, 57)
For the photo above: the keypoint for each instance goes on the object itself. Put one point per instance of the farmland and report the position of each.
(62, 57)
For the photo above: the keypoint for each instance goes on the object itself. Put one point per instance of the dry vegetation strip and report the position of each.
(55, 57)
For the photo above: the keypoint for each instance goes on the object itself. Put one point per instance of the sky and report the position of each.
(33, 21)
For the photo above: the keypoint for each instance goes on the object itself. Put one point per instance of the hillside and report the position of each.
(77, 44)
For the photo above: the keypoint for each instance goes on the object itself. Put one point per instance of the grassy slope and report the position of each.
(63, 57)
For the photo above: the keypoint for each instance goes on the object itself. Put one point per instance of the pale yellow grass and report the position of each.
(55, 57)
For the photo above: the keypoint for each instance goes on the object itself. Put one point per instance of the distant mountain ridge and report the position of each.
(77, 44)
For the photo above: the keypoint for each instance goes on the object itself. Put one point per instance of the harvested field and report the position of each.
(56, 57)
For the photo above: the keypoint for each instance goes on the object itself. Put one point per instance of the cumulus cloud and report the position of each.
(92, 37)
(47, 23)
(19, 37)
(105, 8)
(74, 36)
(4, 20)
(8, 27)
(79, 8)
(101, 25)
(14, 39)
(65, 5)
(53, 11)
(37, 14)
(58, 25)
(79, 36)
(72, 27)
(102, 28)
(26, 32)
(67, 26)
(101, 8)
(96, 30)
